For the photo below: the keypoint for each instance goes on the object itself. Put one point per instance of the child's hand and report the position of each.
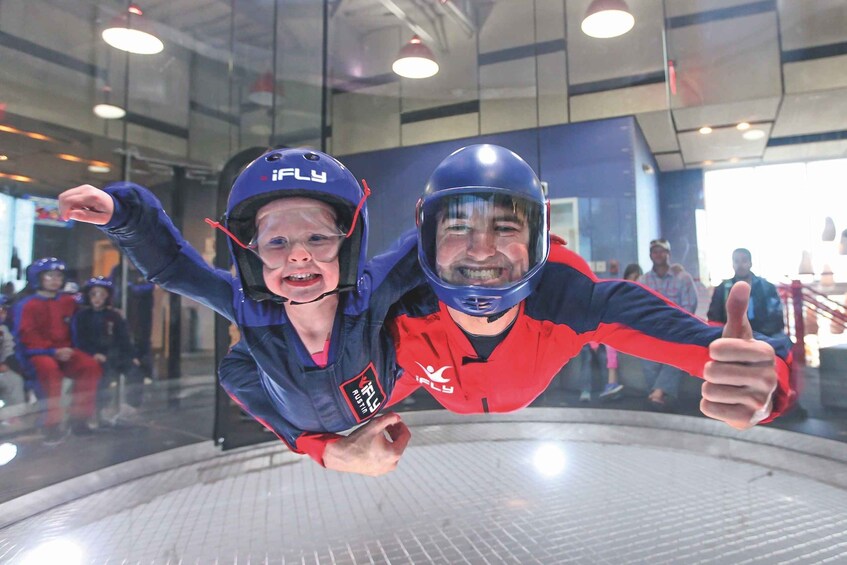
(86, 203)
(64, 354)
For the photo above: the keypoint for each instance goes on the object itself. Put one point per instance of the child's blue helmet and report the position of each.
(306, 173)
(34, 271)
(101, 282)
(477, 192)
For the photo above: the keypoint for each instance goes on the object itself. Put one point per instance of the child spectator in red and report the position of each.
(43, 330)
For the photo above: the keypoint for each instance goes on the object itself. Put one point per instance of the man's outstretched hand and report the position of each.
(367, 451)
(86, 203)
(741, 377)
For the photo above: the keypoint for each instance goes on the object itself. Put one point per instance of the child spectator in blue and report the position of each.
(101, 331)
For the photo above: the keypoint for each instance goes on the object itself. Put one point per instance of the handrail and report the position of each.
(797, 296)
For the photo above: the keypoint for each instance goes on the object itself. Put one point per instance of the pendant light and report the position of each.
(415, 60)
(131, 32)
(607, 18)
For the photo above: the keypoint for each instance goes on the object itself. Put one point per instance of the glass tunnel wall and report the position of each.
(614, 128)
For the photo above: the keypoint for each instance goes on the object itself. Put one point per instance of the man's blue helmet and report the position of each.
(34, 271)
(305, 173)
(483, 181)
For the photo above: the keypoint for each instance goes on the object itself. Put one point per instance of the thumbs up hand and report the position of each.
(741, 377)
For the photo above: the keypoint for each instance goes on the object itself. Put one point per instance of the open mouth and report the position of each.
(302, 279)
(479, 274)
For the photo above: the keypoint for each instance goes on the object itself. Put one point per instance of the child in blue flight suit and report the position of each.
(310, 314)
(101, 331)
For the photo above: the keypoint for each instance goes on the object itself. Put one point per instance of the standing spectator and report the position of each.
(43, 331)
(678, 288)
(632, 272)
(138, 315)
(613, 388)
(606, 357)
(11, 383)
(101, 331)
(764, 309)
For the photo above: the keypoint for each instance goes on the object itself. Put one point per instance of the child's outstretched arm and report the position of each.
(132, 217)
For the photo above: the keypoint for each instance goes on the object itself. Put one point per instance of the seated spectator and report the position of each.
(11, 383)
(43, 333)
(101, 331)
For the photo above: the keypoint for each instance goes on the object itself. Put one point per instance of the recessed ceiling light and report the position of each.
(707, 162)
(99, 168)
(69, 157)
(743, 126)
(753, 134)
(4, 157)
(109, 111)
(705, 130)
(19, 178)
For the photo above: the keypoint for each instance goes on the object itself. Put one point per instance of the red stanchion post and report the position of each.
(799, 324)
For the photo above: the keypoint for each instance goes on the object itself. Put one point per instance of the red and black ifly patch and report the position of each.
(364, 394)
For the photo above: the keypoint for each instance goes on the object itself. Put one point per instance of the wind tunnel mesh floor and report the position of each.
(453, 502)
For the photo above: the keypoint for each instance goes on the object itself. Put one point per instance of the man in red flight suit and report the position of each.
(505, 309)
(43, 330)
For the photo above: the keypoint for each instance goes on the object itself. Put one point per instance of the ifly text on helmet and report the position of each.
(316, 176)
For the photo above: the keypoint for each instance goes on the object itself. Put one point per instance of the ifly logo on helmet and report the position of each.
(316, 176)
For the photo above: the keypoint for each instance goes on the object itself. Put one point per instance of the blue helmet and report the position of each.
(34, 271)
(492, 185)
(306, 173)
(102, 282)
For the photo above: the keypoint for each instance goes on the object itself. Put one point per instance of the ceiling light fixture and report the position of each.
(607, 18)
(93, 166)
(742, 126)
(4, 157)
(705, 130)
(109, 111)
(130, 32)
(29, 134)
(415, 60)
(19, 178)
(263, 90)
(753, 134)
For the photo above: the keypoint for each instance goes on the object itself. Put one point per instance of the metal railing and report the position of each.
(798, 298)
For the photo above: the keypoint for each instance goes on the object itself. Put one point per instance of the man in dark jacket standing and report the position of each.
(765, 307)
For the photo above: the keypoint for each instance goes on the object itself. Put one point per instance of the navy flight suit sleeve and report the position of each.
(142, 230)
(239, 377)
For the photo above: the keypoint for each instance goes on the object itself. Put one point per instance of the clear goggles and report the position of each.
(488, 240)
(289, 228)
(286, 235)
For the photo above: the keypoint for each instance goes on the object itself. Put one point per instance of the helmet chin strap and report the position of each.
(494, 317)
(338, 290)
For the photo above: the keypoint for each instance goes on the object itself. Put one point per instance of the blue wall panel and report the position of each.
(592, 161)
(680, 195)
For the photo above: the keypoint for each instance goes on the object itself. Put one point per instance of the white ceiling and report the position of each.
(781, 65)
